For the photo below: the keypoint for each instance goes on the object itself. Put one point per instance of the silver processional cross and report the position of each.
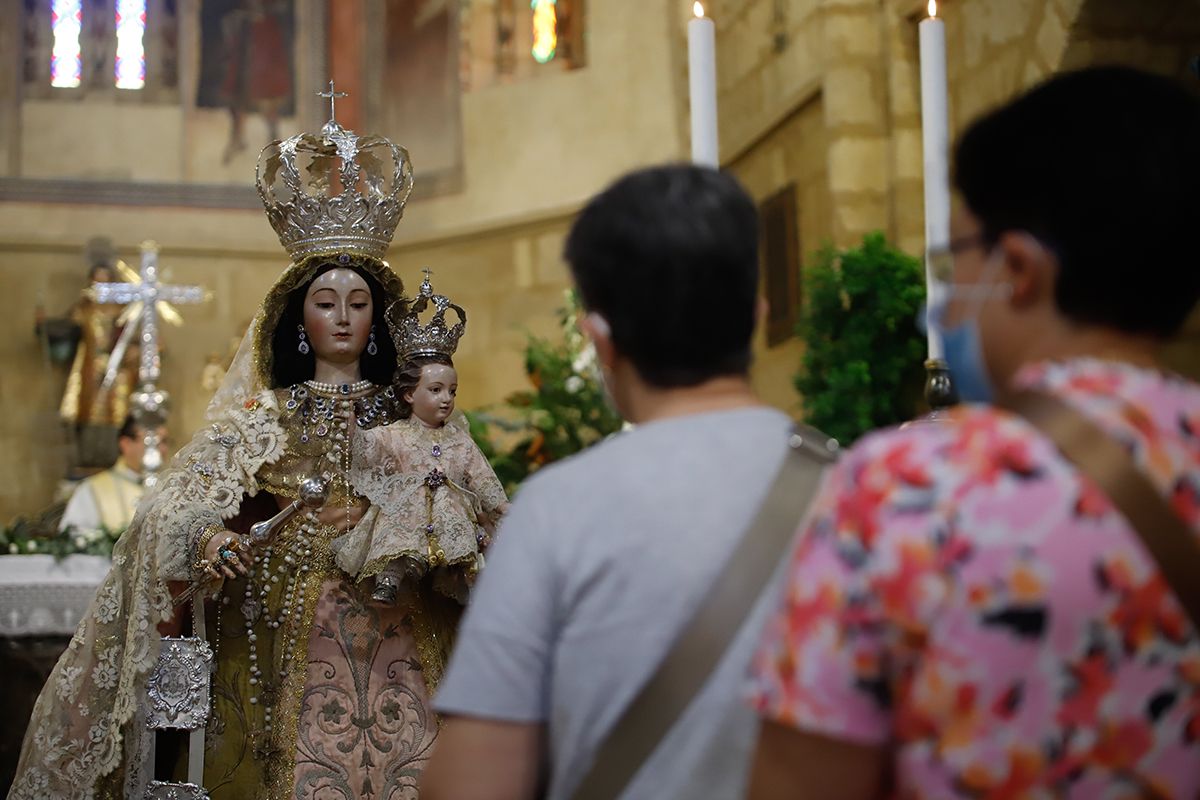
(149, 401)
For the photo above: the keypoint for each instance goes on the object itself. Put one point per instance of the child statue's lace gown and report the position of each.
(435, 504)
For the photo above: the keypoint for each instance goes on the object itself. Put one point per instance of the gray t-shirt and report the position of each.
(597, 567)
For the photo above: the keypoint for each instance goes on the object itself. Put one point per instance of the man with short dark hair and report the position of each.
(604, 558)
(108, 499)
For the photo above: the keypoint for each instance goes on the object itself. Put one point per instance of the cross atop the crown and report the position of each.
(332, 95)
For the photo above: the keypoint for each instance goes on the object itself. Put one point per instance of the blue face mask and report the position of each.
(964, 356)
(961, 343)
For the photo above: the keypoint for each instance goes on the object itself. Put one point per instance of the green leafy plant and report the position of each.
(564, 412)
(863, 360)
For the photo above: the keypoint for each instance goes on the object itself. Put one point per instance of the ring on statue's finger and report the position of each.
(226, 554)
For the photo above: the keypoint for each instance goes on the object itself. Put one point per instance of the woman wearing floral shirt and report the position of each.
(966, 616)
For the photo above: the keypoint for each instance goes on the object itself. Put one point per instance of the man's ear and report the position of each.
(596, 328)
(762, 308)
(1030, 268)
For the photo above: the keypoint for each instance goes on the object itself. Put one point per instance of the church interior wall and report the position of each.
(775, 57)
(805, 99)
(862, 60)
(603, 120)
(793, 153)
(617, 113)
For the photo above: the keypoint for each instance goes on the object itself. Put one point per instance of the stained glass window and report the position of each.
(66, 59)
(545, 30)
(130, 67)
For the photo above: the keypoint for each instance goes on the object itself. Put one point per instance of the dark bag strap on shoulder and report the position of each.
(1111, 467)
(701, 644)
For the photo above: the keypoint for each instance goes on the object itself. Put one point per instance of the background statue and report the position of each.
(94, 412)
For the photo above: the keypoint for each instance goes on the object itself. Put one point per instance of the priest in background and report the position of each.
(107, 500)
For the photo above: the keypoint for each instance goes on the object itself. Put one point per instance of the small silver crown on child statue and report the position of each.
(437, 338)
(334, 192)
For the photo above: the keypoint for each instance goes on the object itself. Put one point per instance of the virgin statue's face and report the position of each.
(337, 316)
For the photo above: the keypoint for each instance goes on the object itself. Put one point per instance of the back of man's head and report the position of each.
(129, 428)
(1103, 167)
(668, 256)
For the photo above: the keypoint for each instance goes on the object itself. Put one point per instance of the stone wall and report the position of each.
(792, 152)
(862, 58)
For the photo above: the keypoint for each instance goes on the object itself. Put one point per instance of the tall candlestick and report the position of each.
(702, 85)
(935, 137)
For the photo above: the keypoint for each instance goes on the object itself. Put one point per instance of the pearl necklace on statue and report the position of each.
(339, 388)
(291, 608)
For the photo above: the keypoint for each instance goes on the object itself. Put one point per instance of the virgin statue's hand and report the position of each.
(232, 566)
(342, 517)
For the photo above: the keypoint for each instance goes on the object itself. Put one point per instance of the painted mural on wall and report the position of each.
(247, 65)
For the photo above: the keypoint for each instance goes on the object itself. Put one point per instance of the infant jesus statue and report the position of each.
(435, 498)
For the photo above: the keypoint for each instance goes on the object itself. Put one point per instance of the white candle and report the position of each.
(935, 137)
(702, 85)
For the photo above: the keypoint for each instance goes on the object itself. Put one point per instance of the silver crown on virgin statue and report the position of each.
(437, 338)
(334, 192)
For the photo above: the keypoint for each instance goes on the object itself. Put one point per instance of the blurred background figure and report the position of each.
(106, 501)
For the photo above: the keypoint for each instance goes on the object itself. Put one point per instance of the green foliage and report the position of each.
(39, 534)
(864, 357)
(564, 412)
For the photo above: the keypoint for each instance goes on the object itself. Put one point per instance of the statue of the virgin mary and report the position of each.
(317, 691)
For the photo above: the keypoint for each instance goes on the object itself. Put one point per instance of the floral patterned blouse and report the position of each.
(963, 596)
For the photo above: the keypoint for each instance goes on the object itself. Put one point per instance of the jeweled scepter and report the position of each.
(314, 492)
